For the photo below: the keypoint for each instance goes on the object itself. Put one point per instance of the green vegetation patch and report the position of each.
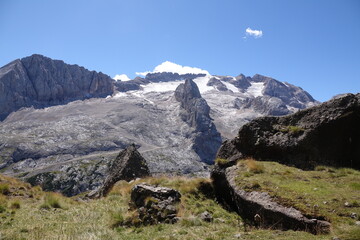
(326, 193)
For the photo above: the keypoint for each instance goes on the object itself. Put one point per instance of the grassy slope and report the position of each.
(323, 193)
(29, 213)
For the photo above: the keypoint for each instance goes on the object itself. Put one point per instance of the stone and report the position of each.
(206, 216)
(353, 215)
(128, 165)
(155, 204)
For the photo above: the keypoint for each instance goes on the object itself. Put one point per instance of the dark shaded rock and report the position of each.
(196, 114)
(328, 134)
(242, 82)
(39, 81)
(128, 165)
(217, 83)
(169, 76)
(272, 106)
(126, 86)
(291, 95)
(258, 207)
(155, 204)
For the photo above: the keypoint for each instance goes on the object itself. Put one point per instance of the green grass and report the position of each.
(292, 129)
(321, 193)
(102, 218)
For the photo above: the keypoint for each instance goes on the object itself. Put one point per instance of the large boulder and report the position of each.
(327, 134)
(155, 204)
(128, 165)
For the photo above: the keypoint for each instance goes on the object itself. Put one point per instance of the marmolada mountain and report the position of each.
(167, 155)
(61, 123)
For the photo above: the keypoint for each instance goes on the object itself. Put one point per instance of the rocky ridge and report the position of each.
(196, 113)
(328, 134)
(39, 82)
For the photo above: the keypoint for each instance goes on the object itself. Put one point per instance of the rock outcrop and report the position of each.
(155, 204)
(258, 207)
(328, 134)
(128, 165)
(39, 81)
(196, 113)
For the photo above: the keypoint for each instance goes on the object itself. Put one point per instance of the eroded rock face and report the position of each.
(328, 134)
(258, 207)
(155, 204)
(39, 81)
(128, 165)
(196, 113)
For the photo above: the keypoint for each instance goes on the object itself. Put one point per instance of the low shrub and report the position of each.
(4, 189)
(254, 166)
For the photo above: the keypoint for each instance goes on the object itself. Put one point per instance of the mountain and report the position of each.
(177, 120)
(39, 81)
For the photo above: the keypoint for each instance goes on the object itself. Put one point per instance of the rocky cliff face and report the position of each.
(39, 81)
(328, 134)
(196, 113)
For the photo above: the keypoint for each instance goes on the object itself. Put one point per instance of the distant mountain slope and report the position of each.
(177, 131)
(40, 81)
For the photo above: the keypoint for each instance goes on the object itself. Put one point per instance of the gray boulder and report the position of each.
(128, 165)
(155, 204)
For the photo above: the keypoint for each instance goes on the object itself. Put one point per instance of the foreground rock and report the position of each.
(258, 207)
(128, 165)
(155, 204)
(328, 134)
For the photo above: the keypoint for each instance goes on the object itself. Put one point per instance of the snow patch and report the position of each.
(161, 86)
(201, 82)
(174, 68)
(231, 87)
(256, 89)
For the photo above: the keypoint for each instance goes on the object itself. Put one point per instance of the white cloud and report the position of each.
(174, 68)
(253, 33)
(121, 77)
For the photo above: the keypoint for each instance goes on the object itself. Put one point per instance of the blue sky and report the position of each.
(314, 44)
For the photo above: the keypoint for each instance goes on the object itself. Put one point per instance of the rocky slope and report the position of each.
(328, 134)
(39, 81)
(177, 134)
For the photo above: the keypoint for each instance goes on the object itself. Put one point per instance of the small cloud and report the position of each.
(253, 33)
(174, 68)
(121, 77)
